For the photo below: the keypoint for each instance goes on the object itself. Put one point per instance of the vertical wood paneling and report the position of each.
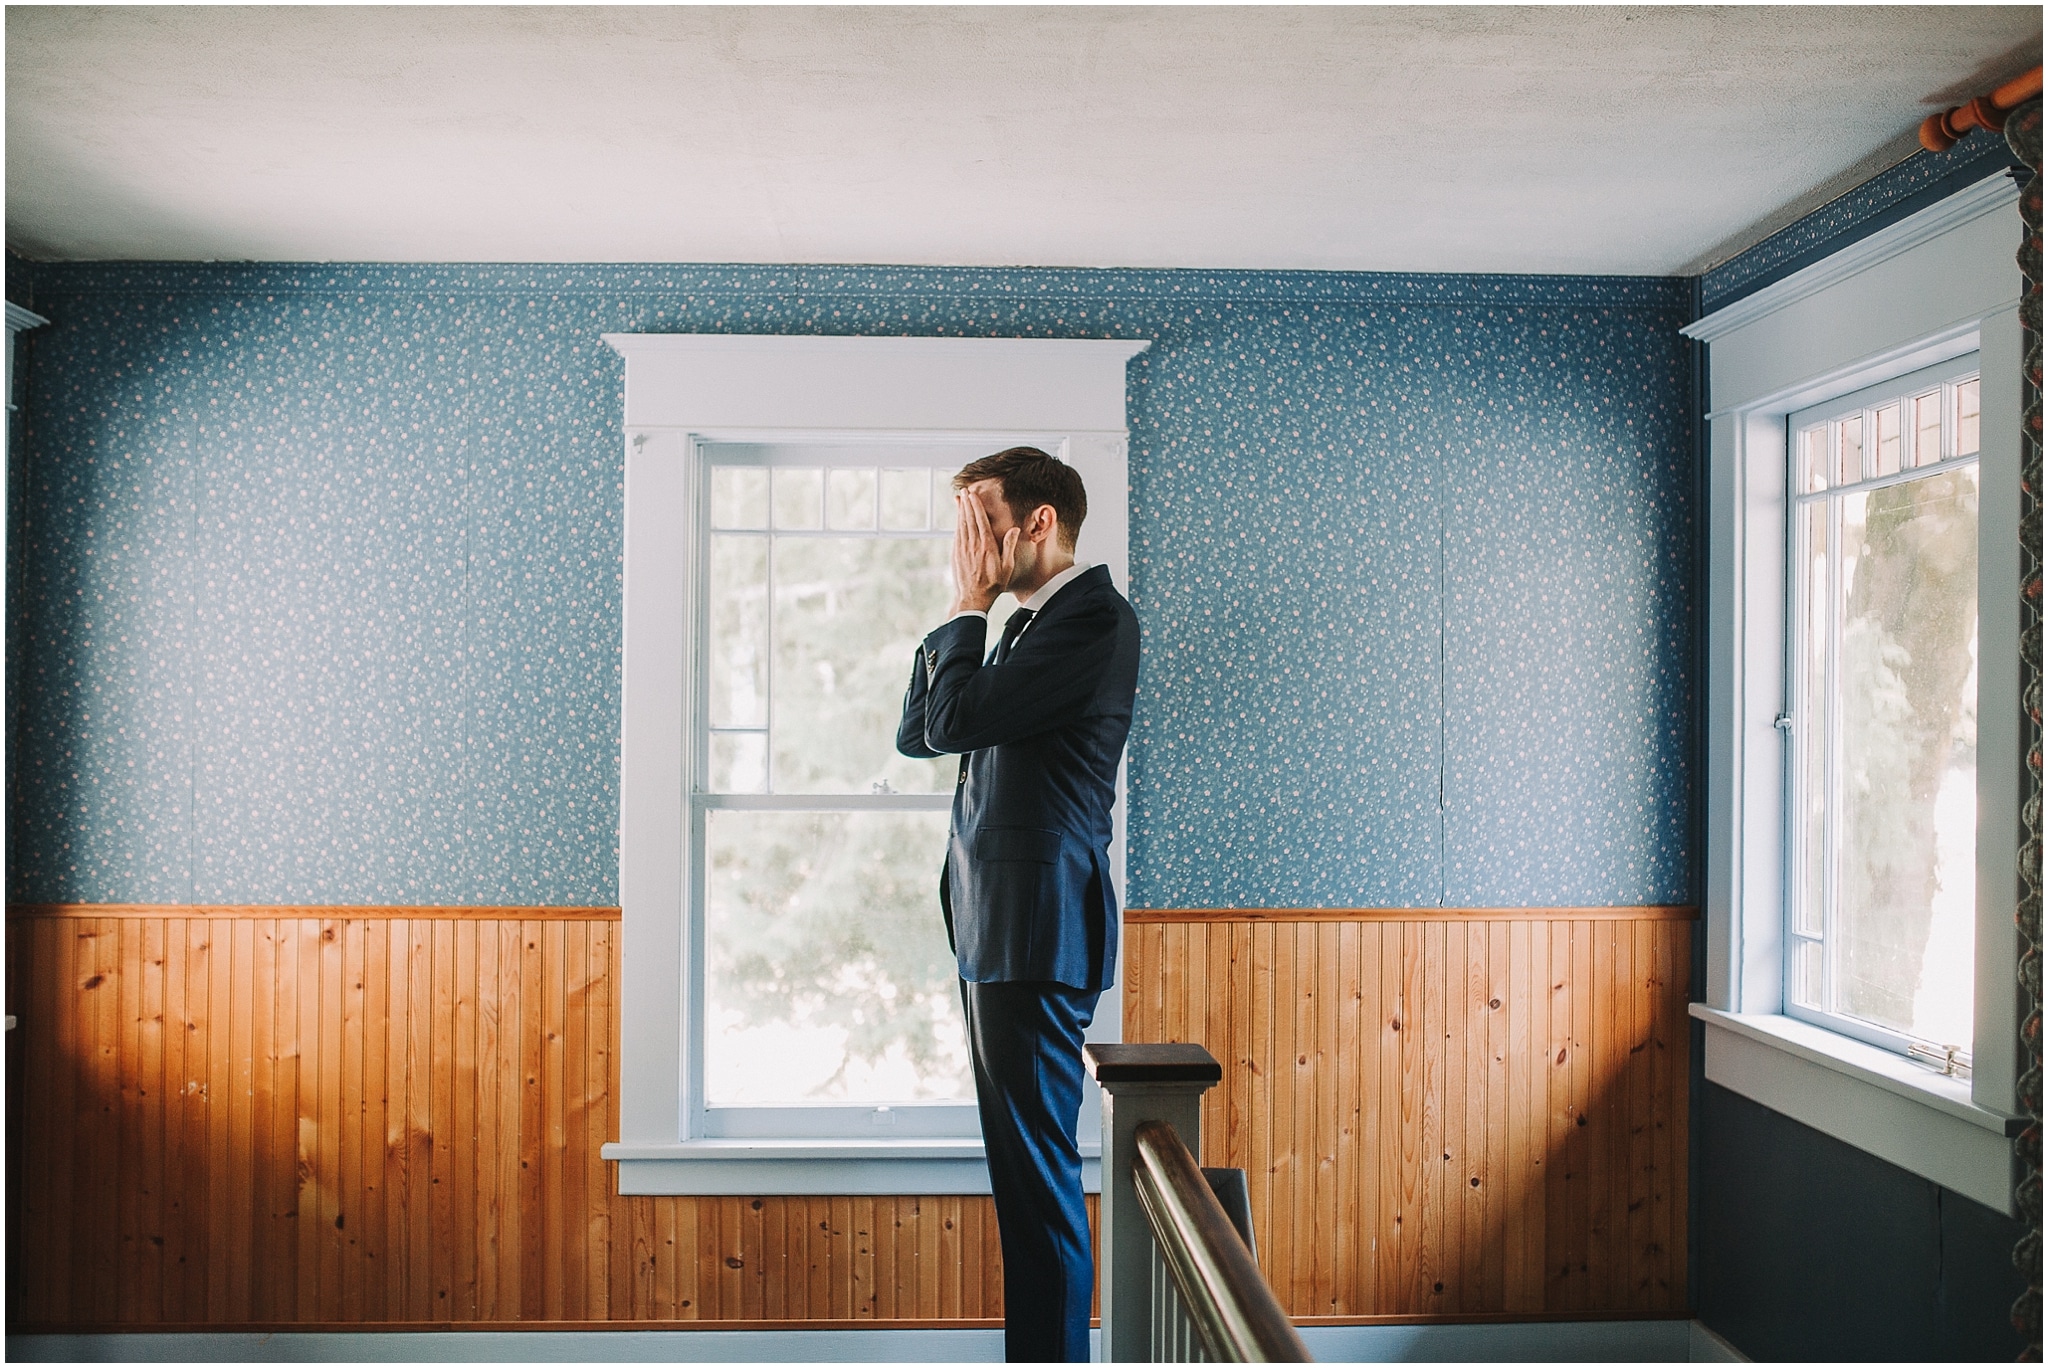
(1373, 1070)
(375, 1119)
(298, 1119)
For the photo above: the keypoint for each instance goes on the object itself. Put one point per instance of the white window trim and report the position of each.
(1934, 286)
(683, 391)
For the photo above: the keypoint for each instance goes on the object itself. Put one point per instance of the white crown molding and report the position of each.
(1987, 196)
(21, 320)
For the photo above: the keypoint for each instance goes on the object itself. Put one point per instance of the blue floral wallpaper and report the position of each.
(315, 575)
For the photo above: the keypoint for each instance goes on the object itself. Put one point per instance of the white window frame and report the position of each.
(1933, 287)
(684, 392)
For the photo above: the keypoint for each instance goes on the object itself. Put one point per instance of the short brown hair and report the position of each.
(1030, 478)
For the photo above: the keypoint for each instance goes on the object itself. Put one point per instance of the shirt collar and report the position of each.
(1036, 603)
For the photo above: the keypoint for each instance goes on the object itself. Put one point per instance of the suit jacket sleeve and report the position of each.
(1051, 673)
(910, 730)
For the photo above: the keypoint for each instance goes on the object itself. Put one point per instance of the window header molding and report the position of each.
(1990, 195)
(705, 381)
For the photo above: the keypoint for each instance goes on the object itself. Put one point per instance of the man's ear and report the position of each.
(1044, 523)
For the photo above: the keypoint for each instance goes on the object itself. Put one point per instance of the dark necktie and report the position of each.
(1012, 629)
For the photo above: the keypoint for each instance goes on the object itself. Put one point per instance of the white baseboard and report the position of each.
(1615, 1341)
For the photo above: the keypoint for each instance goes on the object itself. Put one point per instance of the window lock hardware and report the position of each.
(1951, 1060)
(1783, 722)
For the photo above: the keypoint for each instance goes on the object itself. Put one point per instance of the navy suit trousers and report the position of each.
(1025, 1041)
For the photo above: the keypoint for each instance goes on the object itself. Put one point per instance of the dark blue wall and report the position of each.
(317, 576)
(1812, 1249)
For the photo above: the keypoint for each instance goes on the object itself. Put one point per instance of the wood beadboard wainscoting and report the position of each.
(320, 1116)
(354, 1116)
(1441, 1113)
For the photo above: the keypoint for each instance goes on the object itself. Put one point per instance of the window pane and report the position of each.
(738, 657)
(849, 612)
(906, 495)
(1807, 984)
(1927, 429)
(850, 500)
(943, 512)
(1849, 451)
(739, 496)
(1888, 440)
(1812, 722)
(799, 499)
(1966, 418)
(1907, 766)
(738, 763)
(1813, 461)
(827, 976)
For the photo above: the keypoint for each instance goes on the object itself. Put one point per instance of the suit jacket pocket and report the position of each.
(1017, 843)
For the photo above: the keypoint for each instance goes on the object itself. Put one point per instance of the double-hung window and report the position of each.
(1863, 765)
(789, 1013)
(830, 1001)
(1881, 929)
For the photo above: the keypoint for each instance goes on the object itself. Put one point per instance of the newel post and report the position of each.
(1140, 1083)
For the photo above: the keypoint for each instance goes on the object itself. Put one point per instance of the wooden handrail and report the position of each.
(1238, 1317)
(1942, 131)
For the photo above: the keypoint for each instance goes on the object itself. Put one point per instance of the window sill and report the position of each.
(913, 1166)
(1886, 1105)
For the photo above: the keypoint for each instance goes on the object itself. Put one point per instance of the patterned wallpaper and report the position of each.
(316, 575)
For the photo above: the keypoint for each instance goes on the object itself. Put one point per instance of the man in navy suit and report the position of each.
(1039, 724)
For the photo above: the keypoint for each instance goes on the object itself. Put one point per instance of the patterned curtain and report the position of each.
(2023, 134)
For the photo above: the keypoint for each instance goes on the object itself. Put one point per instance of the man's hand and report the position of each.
(982, 566)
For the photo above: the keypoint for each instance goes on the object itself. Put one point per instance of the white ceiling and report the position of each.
(1650, 140)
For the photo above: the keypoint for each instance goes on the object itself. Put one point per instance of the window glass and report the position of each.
(826, 979)
(1907, 608)
(849, 612)
(799, 499)
(906, 500)
(1813, 459)
(1882, 916)
(827, 974)
(1849, 450)
(1927, 428)
(1889, 440)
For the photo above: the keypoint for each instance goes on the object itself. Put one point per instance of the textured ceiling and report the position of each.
(1577, 139)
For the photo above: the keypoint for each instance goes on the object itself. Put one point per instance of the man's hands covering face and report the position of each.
(982, 565)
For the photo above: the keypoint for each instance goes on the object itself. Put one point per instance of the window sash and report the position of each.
(824, 1120)
(1860, 409)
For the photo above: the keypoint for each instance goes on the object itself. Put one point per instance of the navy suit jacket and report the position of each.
(1025, 888)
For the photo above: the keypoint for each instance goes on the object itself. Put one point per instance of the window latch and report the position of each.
(1783, 722)
(1949, 1059)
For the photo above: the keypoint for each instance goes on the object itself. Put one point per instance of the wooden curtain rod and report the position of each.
(1943, 131)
